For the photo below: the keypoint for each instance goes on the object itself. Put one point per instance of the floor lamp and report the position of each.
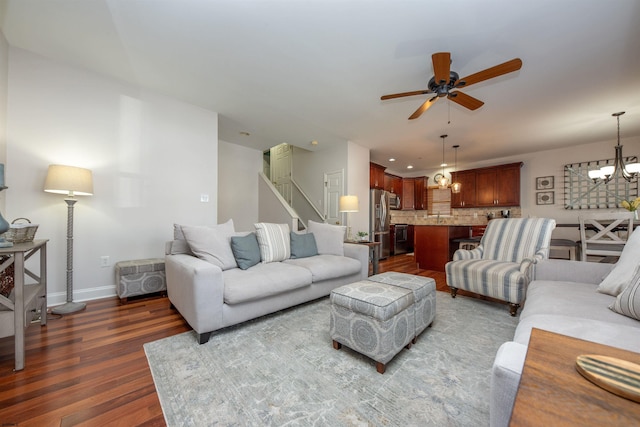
(70, 181)
(348, 204)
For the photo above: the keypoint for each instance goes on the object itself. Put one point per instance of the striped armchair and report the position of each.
(500, 267)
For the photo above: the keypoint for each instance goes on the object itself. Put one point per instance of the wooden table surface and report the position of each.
(553, 393)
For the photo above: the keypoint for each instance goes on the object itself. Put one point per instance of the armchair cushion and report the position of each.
(514, 239)
(496, 279)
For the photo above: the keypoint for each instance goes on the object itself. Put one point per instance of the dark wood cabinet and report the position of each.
(433, 246)
(488, 187)
(466, 198)
(410, 237)
(393, 184)
(408, 194)
(420, 193)
(376, 176)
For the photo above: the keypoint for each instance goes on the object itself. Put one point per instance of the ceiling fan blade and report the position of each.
(400, 95)
(465, 100)
(489, 73)
(424, 107)
(441, 67)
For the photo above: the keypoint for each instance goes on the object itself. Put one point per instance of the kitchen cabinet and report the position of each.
(376, 176)
(393, 184)
(466, 198)
(410, 238)
(420, 193)
(433, 246)
(408, 194)
(499, 186)
(488, 187)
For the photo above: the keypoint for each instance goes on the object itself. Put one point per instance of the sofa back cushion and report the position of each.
(329, 238)
(514, 239)
(212, 244)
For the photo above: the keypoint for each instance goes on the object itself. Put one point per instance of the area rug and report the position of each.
(282, 370)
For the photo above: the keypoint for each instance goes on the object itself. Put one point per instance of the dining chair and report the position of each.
(604, 234)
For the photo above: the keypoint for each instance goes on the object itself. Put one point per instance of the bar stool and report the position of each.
(563, 245)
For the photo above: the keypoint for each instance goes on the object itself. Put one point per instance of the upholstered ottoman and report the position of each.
(424, 293)
(372, 318)
(140, 277)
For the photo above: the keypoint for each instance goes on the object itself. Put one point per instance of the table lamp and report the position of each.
(348, 204)
(70, 181)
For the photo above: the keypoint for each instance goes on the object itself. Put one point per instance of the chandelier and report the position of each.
(606, 173)
(443, 182)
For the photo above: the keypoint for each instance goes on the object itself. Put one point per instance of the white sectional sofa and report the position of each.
(214, 279)
(592, 301)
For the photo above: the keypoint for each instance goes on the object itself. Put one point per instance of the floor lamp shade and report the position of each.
(70, 181)
(348, 204)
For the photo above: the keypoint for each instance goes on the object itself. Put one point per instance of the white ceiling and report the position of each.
(298, 71)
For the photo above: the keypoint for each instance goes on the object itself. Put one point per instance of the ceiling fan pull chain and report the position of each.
(449, 113)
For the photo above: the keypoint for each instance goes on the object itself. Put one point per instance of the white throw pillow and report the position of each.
(212, 244)
(621, 275)
(329, 238)
(274, 241)
(628, 302)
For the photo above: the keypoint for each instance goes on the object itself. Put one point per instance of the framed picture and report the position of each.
(544, 198)
(544, 183)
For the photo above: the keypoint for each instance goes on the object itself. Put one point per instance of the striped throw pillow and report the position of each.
(274, 241)
(628, 302)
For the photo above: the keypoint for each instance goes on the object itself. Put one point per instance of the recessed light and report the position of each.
(314, 142)
(442, 165)
(410, 167)
(392, 159)
(243, 133)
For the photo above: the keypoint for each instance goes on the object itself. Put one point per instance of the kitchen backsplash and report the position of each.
(474, 216)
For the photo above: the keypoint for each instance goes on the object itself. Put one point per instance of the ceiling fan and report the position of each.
(445, 81)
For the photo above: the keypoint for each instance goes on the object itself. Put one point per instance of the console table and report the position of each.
(28, 297)
(553, 393)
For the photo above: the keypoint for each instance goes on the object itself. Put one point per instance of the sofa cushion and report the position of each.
(303, 245)
(628, 302)
(263, 280)
(325, 267)
(329, 238)
(274, 241)
(245, 250)
(620, 277)
(212, 244)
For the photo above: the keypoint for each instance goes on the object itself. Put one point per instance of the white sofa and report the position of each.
(568, 297)
(209, 289)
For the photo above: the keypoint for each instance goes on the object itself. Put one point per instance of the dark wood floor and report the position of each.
(90, 369)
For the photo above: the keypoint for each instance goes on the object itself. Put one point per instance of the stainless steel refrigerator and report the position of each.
(379, 221)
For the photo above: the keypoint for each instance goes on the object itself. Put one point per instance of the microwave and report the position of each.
(394, 201)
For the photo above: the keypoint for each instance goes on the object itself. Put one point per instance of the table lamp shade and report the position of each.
(69, 180)
(348, 204)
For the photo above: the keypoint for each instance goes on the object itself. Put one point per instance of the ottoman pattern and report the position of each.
(140, 277)
(424, 294)
(374, 319)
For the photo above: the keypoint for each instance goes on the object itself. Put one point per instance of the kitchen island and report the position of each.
(434, 246)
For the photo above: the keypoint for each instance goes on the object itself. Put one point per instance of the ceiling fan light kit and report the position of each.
(444, 81)
(607, 173)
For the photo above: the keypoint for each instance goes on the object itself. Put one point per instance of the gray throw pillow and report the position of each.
(246, 250)
(303, 245)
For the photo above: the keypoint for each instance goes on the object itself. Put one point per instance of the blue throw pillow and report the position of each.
(303, 245)
(245, 250)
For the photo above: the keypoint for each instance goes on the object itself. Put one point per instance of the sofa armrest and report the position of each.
(571, 271)
(360, 253)
(505, 379)
(196, 288)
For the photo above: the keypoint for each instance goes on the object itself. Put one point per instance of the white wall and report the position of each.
(151, 156)
(4, 82)
(358, 184)
(238, 185)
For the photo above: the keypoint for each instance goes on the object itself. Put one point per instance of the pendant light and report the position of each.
(443, 182)
(606, 173)
(456, 186)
